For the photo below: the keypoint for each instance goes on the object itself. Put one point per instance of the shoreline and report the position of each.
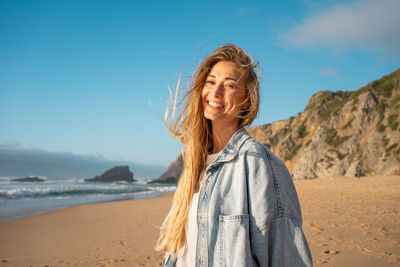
(19, 210)
(116, 233)
(347, 222)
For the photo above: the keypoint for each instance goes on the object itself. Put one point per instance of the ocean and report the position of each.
(21, 199)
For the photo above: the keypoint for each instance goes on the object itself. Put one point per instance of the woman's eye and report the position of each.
(210, 82)
(230, 86)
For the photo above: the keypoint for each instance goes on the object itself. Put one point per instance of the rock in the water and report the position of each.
(116, 174)
(28, 179)
(171, 176)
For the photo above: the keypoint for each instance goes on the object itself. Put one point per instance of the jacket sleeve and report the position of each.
(168, 261)
(276, 235)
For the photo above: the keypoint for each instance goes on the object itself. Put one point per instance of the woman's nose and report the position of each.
(219, 90)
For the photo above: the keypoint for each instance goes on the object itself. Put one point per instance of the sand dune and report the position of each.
(348, 222)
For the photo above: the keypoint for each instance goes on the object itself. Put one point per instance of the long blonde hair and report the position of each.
(195, 133)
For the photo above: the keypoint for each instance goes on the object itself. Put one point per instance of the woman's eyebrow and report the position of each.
(226, 78)
(230, 78)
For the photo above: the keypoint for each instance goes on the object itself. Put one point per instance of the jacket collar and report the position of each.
(234, 144)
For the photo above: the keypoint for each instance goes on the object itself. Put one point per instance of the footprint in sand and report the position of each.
(320, 244)
(383, 230)
(318, 229)
(395, 242)
(331, 252)
(321, 261)
(367, 251)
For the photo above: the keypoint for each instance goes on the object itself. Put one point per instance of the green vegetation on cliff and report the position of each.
(341, 132)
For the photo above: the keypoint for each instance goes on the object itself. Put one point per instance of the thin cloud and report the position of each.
(368, 24)
(20, 162)
(328, 72)
(246, 10)
(163, 50)
(10, 146)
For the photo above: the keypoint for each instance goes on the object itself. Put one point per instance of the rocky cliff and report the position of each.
(341, 133)
(172, 174)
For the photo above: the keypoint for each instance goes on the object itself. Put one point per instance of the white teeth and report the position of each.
(213, 104)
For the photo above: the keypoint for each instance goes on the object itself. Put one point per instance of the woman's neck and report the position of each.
(221, 136)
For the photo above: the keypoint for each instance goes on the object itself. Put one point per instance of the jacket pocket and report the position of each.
(234, 238)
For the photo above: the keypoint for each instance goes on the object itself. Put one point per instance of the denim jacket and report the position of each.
(248, 211)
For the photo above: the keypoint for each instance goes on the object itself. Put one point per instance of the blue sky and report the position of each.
(78, 76)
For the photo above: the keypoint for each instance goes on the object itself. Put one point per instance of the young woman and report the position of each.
(235, 204)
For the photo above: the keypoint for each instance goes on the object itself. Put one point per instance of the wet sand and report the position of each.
(347, 221)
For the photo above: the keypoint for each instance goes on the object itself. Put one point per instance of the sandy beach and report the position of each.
(348, 222)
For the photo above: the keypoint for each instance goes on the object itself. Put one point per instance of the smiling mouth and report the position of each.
(215, 105)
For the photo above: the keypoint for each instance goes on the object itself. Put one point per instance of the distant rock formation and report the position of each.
(172, 174)
(341, 133)
(28, 179)
(116, 174)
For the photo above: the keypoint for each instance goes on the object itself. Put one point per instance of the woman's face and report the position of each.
(224, 95)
